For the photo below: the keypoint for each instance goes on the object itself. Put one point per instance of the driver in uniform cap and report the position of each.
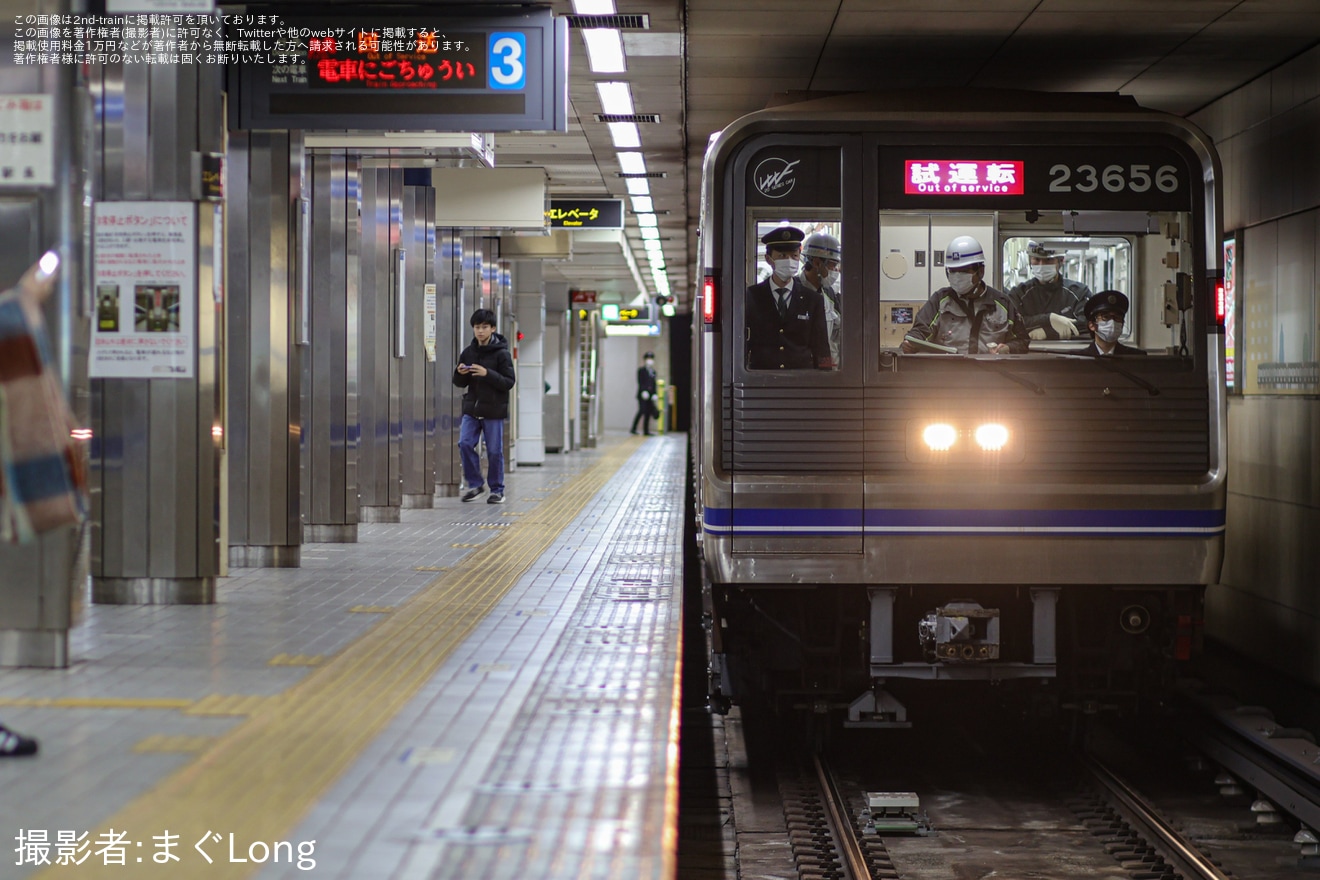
(786, 328)
(1105, 313)
(1050, 305)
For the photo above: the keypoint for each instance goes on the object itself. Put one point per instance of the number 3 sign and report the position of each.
(508, 60)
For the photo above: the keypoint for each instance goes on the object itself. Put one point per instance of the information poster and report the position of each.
(145, 277)
(27, 145)
(428, 328)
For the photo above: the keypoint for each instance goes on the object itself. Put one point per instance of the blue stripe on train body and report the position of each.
(855, 521)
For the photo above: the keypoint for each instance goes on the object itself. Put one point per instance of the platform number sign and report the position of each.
(508, 60)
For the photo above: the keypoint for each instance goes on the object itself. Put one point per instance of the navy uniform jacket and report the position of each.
(1119, 349)
(799, 341)
(1035, 301)
(645, 382)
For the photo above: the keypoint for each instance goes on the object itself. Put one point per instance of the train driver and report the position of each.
(969, 315)
(786, 327)
(1050, 305)
(1105, 313)
(821, 253)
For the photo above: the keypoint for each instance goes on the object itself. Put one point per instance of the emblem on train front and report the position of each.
(774, 177)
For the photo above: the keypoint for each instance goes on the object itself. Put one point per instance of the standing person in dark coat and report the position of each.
(485, 369)
(786, 327)
(1105, 314)
(646, 391)
(1050, 305)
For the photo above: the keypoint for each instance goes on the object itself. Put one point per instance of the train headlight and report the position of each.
(991, 436)
(940, 437)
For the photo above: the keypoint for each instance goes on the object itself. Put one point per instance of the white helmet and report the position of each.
(963, 251)
(822, 244)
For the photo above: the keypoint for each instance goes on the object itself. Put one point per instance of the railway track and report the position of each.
(991, 817)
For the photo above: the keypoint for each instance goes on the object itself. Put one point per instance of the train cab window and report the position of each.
(1050, 278)
(793, 305)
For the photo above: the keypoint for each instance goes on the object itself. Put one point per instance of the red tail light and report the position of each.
(1221, 302)
(708, 299)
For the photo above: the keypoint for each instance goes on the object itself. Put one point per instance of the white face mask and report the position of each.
(1044, 273)
(832, 278)
(1108, 331)
(962, 282)
(787, 267)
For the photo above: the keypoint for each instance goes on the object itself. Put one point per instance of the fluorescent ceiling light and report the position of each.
(593, 7)
(604, 50)
(615, 98)
(639, 186)
(647, 220)
(650, 232)
(632, 163)
(652, 245)
(643, 204)
(625, 134)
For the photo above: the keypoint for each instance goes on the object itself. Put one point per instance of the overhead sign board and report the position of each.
(420, 68)
(585, 214)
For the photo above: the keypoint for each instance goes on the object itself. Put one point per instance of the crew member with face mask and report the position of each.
(969, 315)
(1105, 313)
(786, 327)
(1050, 305)
(820, 272)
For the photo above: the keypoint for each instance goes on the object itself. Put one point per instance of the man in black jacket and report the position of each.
(485, 369)
(646, 390)
(786, 328)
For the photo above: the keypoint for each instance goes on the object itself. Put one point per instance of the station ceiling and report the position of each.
(700, 64)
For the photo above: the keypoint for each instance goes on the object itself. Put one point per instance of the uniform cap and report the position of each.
(649, 354)
(1106, 300)
(783, 235)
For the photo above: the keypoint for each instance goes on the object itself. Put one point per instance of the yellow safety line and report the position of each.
(260, 778)
(96, 703)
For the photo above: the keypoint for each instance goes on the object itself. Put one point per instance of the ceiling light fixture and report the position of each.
(650, 232)
(632, 163)
(625, 135)
(638, 186)
(615, 98)
(593, 7)
(643, 204)
(604, 50)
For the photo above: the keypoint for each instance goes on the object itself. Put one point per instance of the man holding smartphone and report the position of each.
(485, 369)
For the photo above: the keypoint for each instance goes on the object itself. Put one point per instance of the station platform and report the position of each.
(478, 691)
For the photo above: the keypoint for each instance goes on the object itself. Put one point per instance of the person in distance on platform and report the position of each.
(786, 327)
(821, 253)
(646, 391)
(1050, 305)
(969, 315)
(485, 369)
(1105, 314)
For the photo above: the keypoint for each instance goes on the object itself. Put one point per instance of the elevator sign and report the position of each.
(408, 69)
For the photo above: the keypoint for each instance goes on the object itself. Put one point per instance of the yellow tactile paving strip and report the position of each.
(258, 780)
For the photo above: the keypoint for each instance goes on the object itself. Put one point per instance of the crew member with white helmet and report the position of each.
(1050, 305)
(969, 315)
(821, 253)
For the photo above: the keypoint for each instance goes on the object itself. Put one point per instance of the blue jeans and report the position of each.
(470, 430)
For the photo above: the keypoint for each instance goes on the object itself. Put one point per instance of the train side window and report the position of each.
(794, 306)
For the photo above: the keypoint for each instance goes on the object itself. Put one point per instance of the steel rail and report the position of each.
(845, 833)
(1177, 851)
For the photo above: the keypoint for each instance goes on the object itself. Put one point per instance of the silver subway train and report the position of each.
(881, 517)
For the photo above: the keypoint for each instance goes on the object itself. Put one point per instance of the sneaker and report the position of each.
(495, 498)
(13, 745)
(472, 493)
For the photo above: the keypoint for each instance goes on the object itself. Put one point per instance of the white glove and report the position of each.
(646, 395)
(1063, 326)
(1038, 333)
